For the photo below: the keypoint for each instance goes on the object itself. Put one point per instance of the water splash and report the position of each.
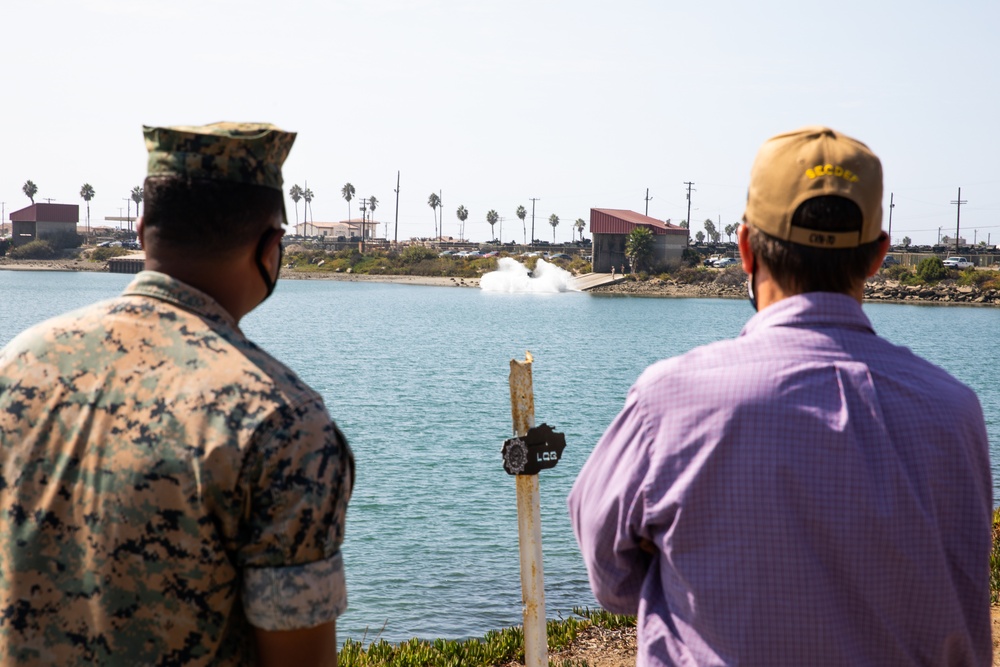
(513, 277)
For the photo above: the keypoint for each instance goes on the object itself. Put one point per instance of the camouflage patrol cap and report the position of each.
(250, 153)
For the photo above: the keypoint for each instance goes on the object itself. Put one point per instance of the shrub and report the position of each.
(694, 275)
(33, 250)
(731, 276)
(63, 240)
(931, 269)
(417, 253)
(4, 246)
(106, 253)
(897, 272)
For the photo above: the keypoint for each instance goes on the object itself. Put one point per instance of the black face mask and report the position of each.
(259, 258)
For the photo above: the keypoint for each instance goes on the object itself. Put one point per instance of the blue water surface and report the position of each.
(417, 379)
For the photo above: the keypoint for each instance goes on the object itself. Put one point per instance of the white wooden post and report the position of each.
(529, 525)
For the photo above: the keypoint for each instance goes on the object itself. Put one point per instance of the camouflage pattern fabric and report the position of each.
(250, 153)
(164, 485)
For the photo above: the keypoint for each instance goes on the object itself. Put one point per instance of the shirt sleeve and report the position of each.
(606, 507)
(299, 481)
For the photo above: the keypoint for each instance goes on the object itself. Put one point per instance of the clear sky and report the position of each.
(580, 104)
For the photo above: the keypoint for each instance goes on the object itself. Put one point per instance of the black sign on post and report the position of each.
(540, 448)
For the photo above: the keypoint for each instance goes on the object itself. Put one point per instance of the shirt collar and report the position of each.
(165, 288)
(813, 309)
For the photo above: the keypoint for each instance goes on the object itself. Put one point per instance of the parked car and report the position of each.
(558, 255)
(889, 261)
(725, 261)
(957, 263)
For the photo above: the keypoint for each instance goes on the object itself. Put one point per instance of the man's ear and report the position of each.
(743, 242)
(270, 246)
(883, 249)
(139, 230)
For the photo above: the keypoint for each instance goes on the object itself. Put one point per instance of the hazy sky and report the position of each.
(580, 104)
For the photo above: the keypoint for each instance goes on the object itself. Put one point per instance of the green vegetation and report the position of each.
(412, 261)
(33, 250)
(63, 240)
(639, 248)
(931, 270)
(104, 254)
(498, 647)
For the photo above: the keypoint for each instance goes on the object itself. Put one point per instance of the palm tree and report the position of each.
(30, 189)
(347, 192)
(295, 192)
(730, 230)
(137, 198)
(580, 224)
(87, 192)
(492, 218)
(638, 247)
(554, 221)
(372, 203)
(307, 197)
(711, 231)
(521, 213)
(434, 201)
(462, 217)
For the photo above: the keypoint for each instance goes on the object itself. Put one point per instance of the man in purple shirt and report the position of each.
(808, 493)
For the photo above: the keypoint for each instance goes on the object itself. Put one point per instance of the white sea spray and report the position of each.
(513, 277)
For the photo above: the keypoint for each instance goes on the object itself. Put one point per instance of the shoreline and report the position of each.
(877, 290)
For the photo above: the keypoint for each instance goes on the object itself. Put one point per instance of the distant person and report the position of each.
(170, 494)
(808, 493)
(612, 271)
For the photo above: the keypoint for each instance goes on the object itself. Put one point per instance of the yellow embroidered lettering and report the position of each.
(810, 173)
(838, 171)
(828, 170)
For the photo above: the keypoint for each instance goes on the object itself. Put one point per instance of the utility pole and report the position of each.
(128, 211)
(647, 201)
(958, 215)
(395, 238)
(689, 184)
(3, 217)
(533, 200)
(441, 215)
(891, 206)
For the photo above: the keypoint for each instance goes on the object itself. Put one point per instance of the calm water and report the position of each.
(417, 379)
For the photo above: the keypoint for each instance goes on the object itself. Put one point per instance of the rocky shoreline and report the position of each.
(877, 289)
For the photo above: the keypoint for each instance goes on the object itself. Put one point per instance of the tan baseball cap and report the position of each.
(811, 162)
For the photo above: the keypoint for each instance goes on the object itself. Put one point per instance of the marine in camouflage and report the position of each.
(250, 153)
(164, 485)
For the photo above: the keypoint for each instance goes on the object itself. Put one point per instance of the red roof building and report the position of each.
(611, 227)
(40, 220)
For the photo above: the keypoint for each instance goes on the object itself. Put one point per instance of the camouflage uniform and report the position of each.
(165, 484)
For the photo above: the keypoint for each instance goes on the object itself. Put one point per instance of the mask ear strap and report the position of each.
(259, 258)
(751, 280)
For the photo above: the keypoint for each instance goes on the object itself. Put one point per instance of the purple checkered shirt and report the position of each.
(813, 495)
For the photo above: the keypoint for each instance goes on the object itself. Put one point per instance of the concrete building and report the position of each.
(40, 220)
(345, 228)
(610, 228)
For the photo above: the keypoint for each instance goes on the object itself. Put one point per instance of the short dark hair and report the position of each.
(799, 269)
(207, 217)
